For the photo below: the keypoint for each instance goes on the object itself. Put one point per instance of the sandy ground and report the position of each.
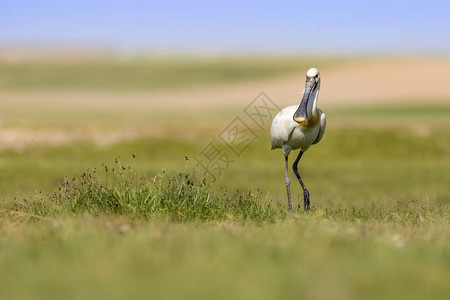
(359, 82)
(20, 138)
(362, 82)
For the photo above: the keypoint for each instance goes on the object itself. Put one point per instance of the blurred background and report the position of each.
(85, 82)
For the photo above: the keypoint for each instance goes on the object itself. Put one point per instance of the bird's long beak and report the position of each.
(301, 114)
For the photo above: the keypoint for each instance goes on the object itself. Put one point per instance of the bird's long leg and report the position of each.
(305, 191)
(287, 180)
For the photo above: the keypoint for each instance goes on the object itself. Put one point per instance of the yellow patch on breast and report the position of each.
(299, 119)
(311, 122)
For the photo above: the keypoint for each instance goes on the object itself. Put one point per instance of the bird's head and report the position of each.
(309, 96)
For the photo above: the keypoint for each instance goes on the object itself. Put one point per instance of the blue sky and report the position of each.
(305, 27)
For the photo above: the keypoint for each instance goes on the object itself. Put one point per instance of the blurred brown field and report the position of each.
(129, 113)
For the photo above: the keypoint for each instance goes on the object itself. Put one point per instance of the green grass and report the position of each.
(303, 257)
(418, 111)
(350, 166)
(378, 229)
(379, 226)
(150, 73)
(123, 192)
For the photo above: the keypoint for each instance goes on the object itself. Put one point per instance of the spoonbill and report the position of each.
(299, 127)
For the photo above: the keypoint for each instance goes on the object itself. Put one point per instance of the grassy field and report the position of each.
(156, 228)
(148, 73)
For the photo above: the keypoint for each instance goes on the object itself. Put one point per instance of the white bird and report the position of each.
(299, 127)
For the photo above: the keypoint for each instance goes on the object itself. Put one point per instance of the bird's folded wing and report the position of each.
(323, 125)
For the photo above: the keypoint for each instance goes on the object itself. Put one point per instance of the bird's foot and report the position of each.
(306, 199)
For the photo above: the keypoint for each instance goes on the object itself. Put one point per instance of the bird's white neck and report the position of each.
(312, 103)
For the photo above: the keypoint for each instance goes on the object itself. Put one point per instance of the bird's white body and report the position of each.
(289, 135)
